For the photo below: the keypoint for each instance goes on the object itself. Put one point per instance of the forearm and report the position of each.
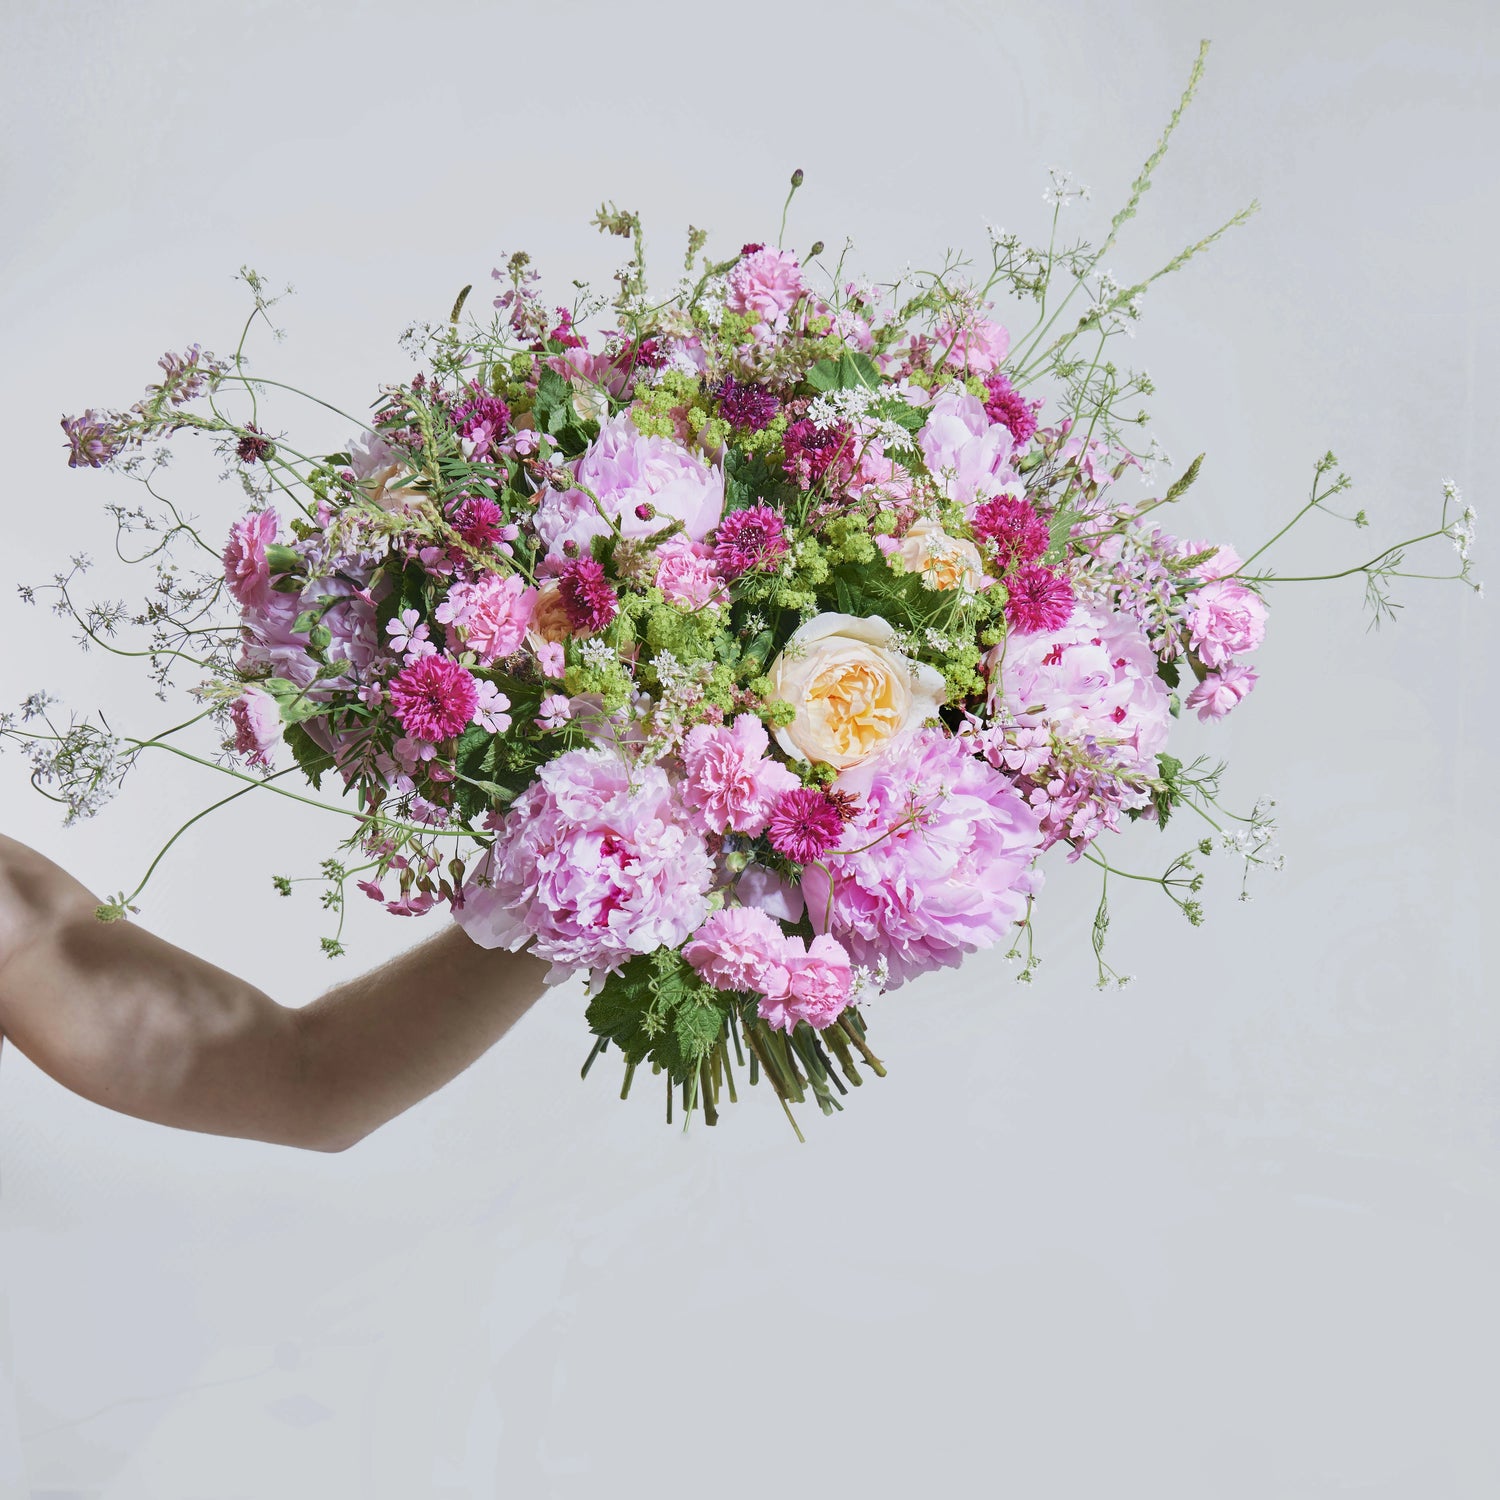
(134, 1023)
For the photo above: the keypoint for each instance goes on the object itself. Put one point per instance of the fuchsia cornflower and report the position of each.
(813, 453)
(587, 596)
(1040, 599)
(744, 404)
(751, 538)
(1017, 533)
(1010, 408)
(480, 522)
(434, 698)
(480, 420)
(805, 824)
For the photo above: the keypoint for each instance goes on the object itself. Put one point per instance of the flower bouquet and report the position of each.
(745, 649)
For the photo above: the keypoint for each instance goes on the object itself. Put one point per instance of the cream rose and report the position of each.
(945, 562)
(852, 690)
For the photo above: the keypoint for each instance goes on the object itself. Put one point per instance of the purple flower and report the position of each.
(93, 439)
(746, 405)
(813, 453)
(749, 539)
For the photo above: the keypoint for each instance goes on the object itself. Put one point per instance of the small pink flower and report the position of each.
(686, 575)
(767, 283)
(434, 698)
(489, 710)
(246, 570)
(257, 725)
(1040, 599)
(729, 780)
(409, 637)
(744, 950)
(1222, 690)
(805, 824)
(552, 659)
(554, 711)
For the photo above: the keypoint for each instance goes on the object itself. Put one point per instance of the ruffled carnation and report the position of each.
(1013, 528)
(1040, 599)
(592, 863)
(743, 950)
(765, 282)
(587, 596)
(1224, 619)
(624, 469)
(1222, 690)
(729, 781)
(805, 824)
(822, 979)
(749, 539)
(489, 617)
(945, 847)
(257, 725)
(246, 570)
(434, 698)
(686, 574)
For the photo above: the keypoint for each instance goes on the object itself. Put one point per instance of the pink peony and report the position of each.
(767, 283)
(729, 781)
(686, 575)
(964, 451)
(1225, 618)
(1094, 677)
(977, 346)
(489, 617)
(623, 469)
(592, 863)
(1040, 599)
(246, 570)
(1222, 690)
(944, 867)
(257, 725)
(744, 950)
(434, 698)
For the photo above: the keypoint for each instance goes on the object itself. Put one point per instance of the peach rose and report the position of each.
(851, 689)
(945, 562)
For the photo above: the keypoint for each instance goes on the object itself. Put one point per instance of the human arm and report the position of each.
(132, 1022)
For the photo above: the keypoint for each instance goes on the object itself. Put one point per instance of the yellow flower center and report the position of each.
(855, 705)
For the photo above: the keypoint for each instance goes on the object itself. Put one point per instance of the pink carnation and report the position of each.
(978, 346)
(434, 698)
(246, 570)
(1222, 690)
(1225, 618)
(946, 846)
(489, 617)
(964, 451)
(592, 863)
(686, 575)
(729, 782)
(1223, 561)
(625, 469)
(744, 950)
(767, 283)
(821, 982)
(1040, 599)
(257, 725)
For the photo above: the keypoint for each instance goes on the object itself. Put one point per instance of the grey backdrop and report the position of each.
(1231, 1232)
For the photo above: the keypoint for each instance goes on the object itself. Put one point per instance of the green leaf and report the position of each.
(657, 1009)
(311, 756)
(849, 370)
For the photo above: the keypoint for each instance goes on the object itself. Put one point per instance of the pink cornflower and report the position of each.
(434, 698)
(805, 824)
(1040, 599)
(480, 522)
(1010, 408)
(1017, 533)
(813, 453)
(750, 539)
(586, 595)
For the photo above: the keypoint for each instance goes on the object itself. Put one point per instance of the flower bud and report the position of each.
(797, 178)
(817, 250)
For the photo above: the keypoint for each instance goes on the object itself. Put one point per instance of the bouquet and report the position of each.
(747, 649)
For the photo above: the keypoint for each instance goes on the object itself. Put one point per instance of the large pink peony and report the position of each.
(642, 482)
(246, 570)
(729, 782)
(591, 864)
(1225, 618)
(966, 453)
(951, 873)
(1096, 676)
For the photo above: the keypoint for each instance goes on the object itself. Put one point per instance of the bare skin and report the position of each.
(140, 1026)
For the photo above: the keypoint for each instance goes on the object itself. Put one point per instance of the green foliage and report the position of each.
(556, 415)
(749, 480)
(657, 1009)
(848, 371)
(874, 588)
(310, 756)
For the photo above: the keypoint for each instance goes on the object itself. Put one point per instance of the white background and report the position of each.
(1231, 1232)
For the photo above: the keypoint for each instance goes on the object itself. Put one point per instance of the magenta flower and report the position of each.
(746, 405)
(1040, 599)
(805, 824)
(1017, 533)
(246, 570)
(434, 698)
(754, 538)
(1007, 406)
(591, 603)
(480, 522)
(729, 781)
(686, 574)
(815, 453)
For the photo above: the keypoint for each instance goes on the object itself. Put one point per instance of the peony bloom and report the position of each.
(592, 863)
(1093, 678)
(1222, 690)
(944, 562)
(767, 283)
(686, 575)
(624, 469)
(852, 691)
(257, 725)
(805, 824)
(744, 950)
(1040, 599)
(750, 539)
(944, 867)
(729, 781)
(964, 451)
(246, 570)
(434, 698)
(977, 346)
(489, 617)
(1225, 618)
